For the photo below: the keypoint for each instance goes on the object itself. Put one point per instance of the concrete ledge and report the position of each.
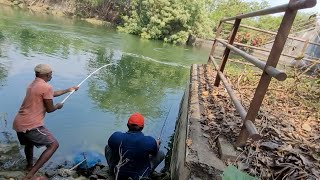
(226, 150)
(192, 157)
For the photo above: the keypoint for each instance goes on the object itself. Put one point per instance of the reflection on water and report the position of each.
(149, 77)
(45, 42)
(133, 85)
(3, 75)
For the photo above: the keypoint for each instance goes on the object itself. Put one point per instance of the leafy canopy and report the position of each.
(168, 20)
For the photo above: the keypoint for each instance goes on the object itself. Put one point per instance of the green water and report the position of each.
(150, 77)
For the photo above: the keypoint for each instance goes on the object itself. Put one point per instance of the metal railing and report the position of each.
(248, 129)
(274, 33)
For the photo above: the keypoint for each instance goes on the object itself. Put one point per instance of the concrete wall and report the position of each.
(191, 157)
(177, 164)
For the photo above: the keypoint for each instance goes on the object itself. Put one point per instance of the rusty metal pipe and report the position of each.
(273, 33)
(268, 50)
(279, 75)
(253, 133)
(275, 53)
(236, 102)
(252, 130)
(226, 52)
(303, 4)
(219, 29)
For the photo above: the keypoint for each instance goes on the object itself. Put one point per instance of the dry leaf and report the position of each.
(189, 142)
(289, 127)
(306, 127)
(205, 93)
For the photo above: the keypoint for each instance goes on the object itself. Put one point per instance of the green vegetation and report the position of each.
(232, 173)
(175, 20)
(3, 74)
(44, 41)
(3, 70)
(168, 20)
(228, 8)
(30, 39)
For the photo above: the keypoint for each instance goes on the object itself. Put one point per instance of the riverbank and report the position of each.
(12, 165)
(60, 9)
(86, 12)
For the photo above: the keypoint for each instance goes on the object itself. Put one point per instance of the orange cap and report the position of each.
(137, 119)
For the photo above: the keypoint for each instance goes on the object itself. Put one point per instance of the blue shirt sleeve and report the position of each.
(151, 145)
(115, 140)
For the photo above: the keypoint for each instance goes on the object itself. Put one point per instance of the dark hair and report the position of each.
(134, 127)
(39, 74)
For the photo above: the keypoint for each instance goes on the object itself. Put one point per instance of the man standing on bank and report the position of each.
(140, 154)
(29, 121)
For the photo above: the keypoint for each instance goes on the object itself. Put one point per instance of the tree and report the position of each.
(228, 8)
(168, 20)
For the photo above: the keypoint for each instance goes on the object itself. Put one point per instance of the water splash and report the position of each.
(154, 60)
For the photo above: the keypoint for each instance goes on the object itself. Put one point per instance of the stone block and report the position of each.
(226, 150)
(51, 173)
(12, 174)
(7, 148)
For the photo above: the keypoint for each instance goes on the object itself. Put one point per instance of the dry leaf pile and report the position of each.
(290, 144)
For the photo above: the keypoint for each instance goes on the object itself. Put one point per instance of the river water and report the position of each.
(149, 77)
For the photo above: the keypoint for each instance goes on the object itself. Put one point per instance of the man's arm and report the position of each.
(115, 140)
(152, 145)
(61, 92)
(158, 143)
(48, 103)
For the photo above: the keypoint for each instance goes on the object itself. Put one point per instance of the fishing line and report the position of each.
(84, 81)
(155, 60)
(164, 123)
(68, 172)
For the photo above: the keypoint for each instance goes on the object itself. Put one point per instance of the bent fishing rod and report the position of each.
(84, 81)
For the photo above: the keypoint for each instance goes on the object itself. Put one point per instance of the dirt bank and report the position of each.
(55, 8)
(58, 8)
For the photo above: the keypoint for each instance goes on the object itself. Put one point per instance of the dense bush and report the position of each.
(175, 20)
(168, 20)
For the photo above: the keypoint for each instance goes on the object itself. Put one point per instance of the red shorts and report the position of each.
(39, 136)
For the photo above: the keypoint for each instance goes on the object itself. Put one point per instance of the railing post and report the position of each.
(265, 79)
(226, 53)
(304, 47)
(219, 29)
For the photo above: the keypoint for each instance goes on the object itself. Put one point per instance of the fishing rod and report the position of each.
(84, 81)
(164, 123)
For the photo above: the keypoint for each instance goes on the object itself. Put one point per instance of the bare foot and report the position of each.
(40, 178)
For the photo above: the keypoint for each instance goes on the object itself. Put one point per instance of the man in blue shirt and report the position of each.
(132, 155)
